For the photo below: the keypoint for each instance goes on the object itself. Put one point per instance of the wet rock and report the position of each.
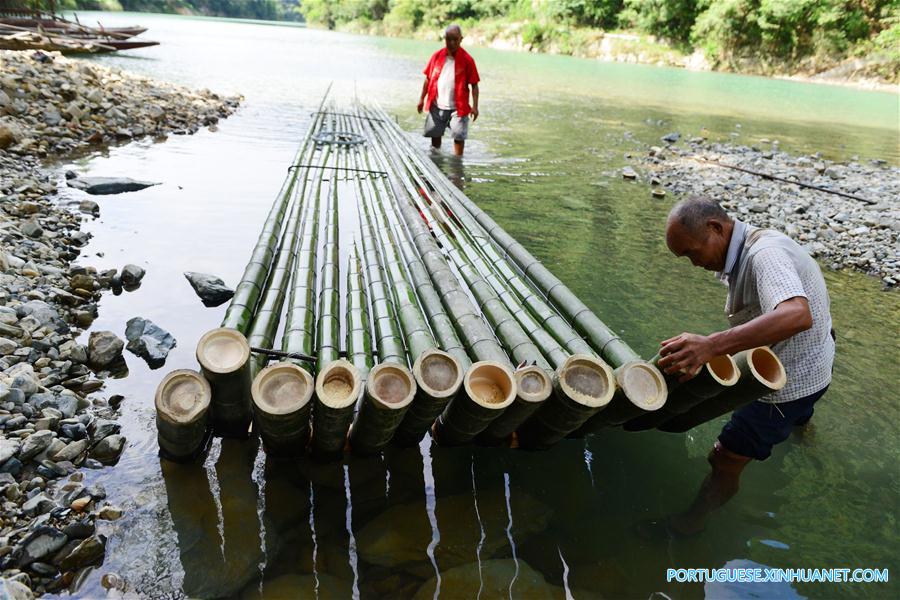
(211, 289)
(35, 444)
(88, 552)
(629, 173)
(11, 589)
(41, 542)
(110, 513)
(72, 350)
(8, 449)
(103, 428)
(71, 451)
(32, 229)
(321, 585)
(89, 206)
(149, 341)
(109, 449)
(101, 186)
(80, 529)
(104, 348)
(131, 276)
(671, 138)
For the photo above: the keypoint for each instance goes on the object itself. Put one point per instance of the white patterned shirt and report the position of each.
(763, 269)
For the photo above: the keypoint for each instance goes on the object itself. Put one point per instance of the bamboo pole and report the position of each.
(489, 385)
(359, 337)
(338, 384)
(642, 384)
(524, 337)
(761, 374)
(716, 377)
(438, 374)
(390, 387)
(223, 353)
(282, 392)
(182, 413)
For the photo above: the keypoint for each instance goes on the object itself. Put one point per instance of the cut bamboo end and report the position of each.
(182, 409)
(182, 397)
(724, 370)
(533, 385)
(438, 374)
(643, 384)
(339, 384)
(282, 389)
(490, 384)
(587, 380)
(391, 386)
(223, 350)
(766, 368)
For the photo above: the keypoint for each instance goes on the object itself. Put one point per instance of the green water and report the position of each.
(542, 161)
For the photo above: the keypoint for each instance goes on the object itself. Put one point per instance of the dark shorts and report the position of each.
(438, 120)
(754, 429)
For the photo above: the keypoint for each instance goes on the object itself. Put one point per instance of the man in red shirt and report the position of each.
(448, 75)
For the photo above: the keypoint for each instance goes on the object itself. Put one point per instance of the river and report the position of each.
(542, 161)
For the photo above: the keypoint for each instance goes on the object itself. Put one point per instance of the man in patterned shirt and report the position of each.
(776, 297)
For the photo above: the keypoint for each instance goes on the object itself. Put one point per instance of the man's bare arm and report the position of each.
(421, 104)
(687, 352)
(474, 101)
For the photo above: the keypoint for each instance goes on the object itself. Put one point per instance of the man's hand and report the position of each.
(420, 106)
(686, 354)
(474, 114)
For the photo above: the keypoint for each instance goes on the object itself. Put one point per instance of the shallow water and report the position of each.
(542, 161)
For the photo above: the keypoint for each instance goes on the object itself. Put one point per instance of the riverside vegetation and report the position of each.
(834, 39)
(55, 420)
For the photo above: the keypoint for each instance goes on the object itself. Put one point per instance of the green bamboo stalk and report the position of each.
(716, 377)
(338, 384)
(489, 384)
(438, 374)
(761, 374)
(359, 337)
(644, 385)
(390, 387)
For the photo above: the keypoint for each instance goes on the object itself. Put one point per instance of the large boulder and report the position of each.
(211, 289)
(132, 275)
(104, 348)
(149, 341)
(101, 186)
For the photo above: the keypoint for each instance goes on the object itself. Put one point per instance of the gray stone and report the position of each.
(11, 589)
(109, 449)
(8, 449)
(671, 138)
(7, 346)
(101, 186)
(72, 350)
(89, 552)
(35, 444)
(149, 341)
(132, 275)
(89, 206)
(40, 310)
(104, 348)
(41, 542)
(32, 229)
(71, 451)
(38, 505)
(211, 289)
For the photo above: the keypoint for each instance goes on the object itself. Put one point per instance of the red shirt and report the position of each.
(466, 74)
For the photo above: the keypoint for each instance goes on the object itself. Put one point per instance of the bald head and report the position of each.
(700, 229)
(452, 38)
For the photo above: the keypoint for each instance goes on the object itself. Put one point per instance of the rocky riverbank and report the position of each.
(56, 421)
(860, 233)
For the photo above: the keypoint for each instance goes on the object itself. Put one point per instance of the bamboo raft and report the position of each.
(405, 310)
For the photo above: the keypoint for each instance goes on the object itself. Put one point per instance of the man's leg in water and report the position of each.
(435, 142)
(720, 486)
(459, 146)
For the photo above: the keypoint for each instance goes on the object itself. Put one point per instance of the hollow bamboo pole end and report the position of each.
(763, 365)
(182, 397)
(490, 384)
(281, 389)
(643, 384)
(586, 380)
(222, 351)
(391, 386)
(339, 384)
(723, 369)
(533, 384)
(438, 374)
